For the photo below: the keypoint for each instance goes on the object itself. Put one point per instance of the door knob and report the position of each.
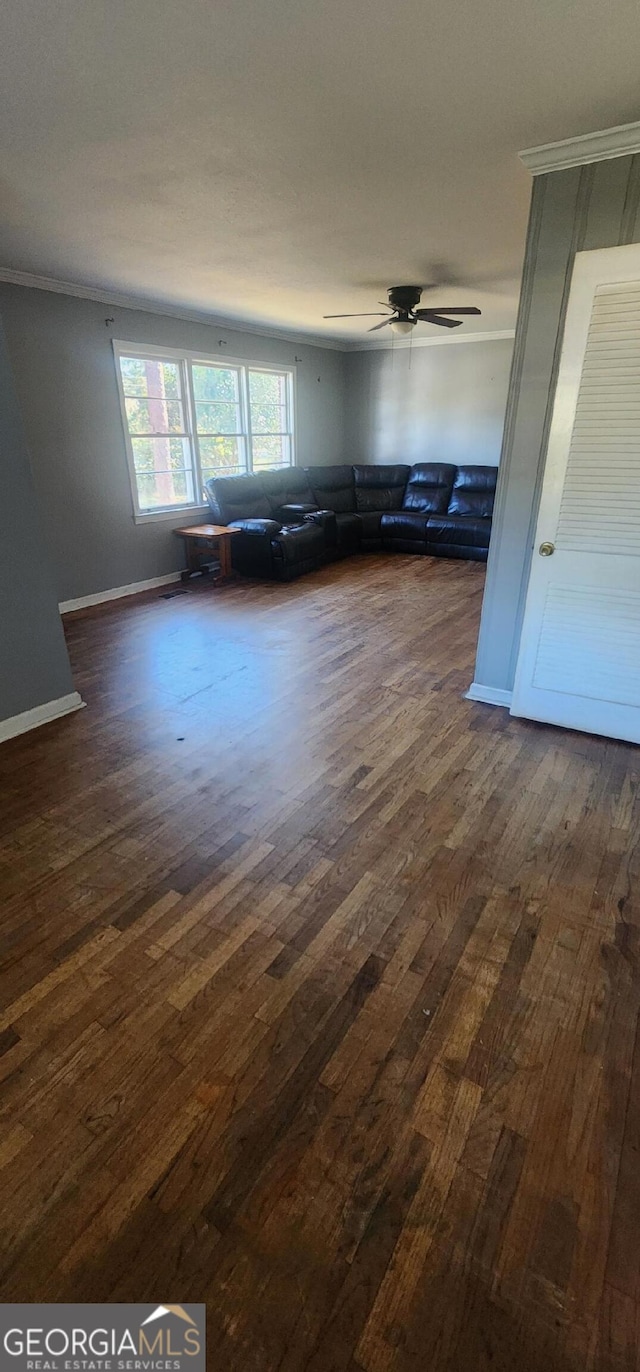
(546, 549)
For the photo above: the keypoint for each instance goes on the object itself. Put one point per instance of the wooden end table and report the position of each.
(215, 538)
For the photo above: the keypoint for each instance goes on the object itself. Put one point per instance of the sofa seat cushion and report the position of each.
(333, 487)
(404, 524)
(464, 531)
(474, 491)
(380, 488)
(429, 487)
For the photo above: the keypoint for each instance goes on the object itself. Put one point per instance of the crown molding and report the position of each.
(430, 342)
(588, 147)
(121, 300)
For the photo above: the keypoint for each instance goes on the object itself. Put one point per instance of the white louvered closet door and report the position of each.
(579, 660)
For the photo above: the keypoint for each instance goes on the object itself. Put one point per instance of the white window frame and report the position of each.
(187, 358)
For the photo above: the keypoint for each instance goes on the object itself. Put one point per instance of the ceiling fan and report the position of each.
(403, 315)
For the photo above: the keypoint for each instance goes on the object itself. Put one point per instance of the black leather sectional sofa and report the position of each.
(295, 519)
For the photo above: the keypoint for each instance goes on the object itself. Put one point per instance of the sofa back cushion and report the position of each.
(287, 486)
(429, 487)
(237, 497)
(474, 491)
(380, 488)
(333, 488)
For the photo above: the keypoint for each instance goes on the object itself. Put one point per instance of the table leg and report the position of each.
(224, 545)
(193, 560)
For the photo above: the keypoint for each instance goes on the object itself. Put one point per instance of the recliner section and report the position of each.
(295, 519)
(474, 491)
(267, 546)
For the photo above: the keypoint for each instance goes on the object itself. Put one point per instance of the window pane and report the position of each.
(221, 417)
(268, 403)
(215, 383)
(267, 388)
(158, 490)
(268, 419)
(147, 376)
(271, 452)
(154, 416)
(222, 457)
(161, 454)
(163, 472)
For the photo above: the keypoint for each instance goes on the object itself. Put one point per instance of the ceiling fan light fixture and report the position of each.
(402, 326)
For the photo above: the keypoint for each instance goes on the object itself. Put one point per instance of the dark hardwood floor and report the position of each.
(320, 988)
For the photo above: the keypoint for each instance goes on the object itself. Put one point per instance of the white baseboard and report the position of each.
(117, 593)
(42, 714)
(490, 695)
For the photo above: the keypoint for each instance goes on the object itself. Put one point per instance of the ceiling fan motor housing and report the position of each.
(404, 298)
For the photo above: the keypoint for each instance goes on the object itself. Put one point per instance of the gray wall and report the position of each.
(596, 206)
(64, 370)
(34, 667)
(442, 403)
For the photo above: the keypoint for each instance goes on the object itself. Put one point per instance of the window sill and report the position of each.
(177, 514)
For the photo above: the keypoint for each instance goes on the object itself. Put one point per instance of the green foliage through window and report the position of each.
(188, 421)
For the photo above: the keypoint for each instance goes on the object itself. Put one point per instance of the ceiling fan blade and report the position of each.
(450, 309)
(371, 314)
(432, 317)
(382, 325)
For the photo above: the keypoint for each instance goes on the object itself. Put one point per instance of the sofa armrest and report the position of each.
(252, 548)
(258, 528)
(294, 513)
(326, 519)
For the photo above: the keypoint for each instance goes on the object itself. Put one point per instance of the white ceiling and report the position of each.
(276, 160)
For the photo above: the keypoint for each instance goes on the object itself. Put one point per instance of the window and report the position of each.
(269, 420)
(188, 417)
(153, 393)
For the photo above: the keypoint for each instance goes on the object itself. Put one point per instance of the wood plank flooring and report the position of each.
(320, 988)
